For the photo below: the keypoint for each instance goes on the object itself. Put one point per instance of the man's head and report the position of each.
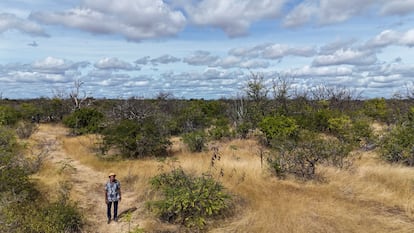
(112, 176)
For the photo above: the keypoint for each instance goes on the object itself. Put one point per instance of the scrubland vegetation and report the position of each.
(273, 160)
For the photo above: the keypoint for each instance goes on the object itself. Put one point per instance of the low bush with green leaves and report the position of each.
(377, 109)
(187, 200)
(220, 130)
(397, 146)
(41, 217)
(196, 141)
(278, 128)
(301, 158)
(84, 120)
(9, 115)
(22, 207)
(137, 139)
(243, 129)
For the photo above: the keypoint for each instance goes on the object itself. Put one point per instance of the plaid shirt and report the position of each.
(112, 190)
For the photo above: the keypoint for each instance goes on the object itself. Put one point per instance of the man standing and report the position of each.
(112, 195)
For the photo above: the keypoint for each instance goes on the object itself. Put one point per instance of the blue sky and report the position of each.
(204, 48)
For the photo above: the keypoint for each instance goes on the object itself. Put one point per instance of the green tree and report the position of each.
(377, 109)
(220, 129)
(301, 157)
(84, 120)
(137, 139)
(278, 128)
(196, 141)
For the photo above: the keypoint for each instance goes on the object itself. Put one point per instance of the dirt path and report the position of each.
(87, 186)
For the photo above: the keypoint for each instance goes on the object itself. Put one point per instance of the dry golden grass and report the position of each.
(372, 196)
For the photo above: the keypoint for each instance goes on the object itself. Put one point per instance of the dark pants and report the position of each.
(108, 212)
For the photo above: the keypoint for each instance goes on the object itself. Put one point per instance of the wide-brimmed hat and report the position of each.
(112, 174)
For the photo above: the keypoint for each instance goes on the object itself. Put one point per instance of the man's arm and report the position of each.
(119, 191)
(106, 197)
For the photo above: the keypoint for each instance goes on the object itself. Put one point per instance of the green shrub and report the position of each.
(196, 141)
(341, 127)
(84, 120)
(8, 115)
(362, 131)
(22, 208)
(13, 174)
(243, 129)
(397, 145)
(220, 129)
(42, 217)
(278, 128)
(8, 141)
(135, 139)
(377, 109)
(29, 111)
(302, 157)
(190, 201)
(191, 117)
(62, 217)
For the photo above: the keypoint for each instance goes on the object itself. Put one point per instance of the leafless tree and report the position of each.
(132, 109)
(164, 96)
(409, 93)
(282, 86)
(239, 109)
(77, 96)
(334, 93)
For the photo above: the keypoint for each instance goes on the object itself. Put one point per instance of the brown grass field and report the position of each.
(370, 196)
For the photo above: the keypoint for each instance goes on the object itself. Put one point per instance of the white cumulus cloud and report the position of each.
(134, 20)
(234, 17)
(346, 57)
(324, 12)
(113, 63)
(11, 21)
(56, 65)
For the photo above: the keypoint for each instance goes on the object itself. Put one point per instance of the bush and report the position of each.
(341, 127)
(377, 109)
(13, 175)
(243, 129)
(62, 217)
(84, 120)
(278, 128)
(188, 200)
(302, 157)
(137, 139)
(362, 131)
(196, 141)
(220, 130)
(8, 115)
(42, 217)
(22, 208)
(397, 146)
(25, 129)
(29, 112)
